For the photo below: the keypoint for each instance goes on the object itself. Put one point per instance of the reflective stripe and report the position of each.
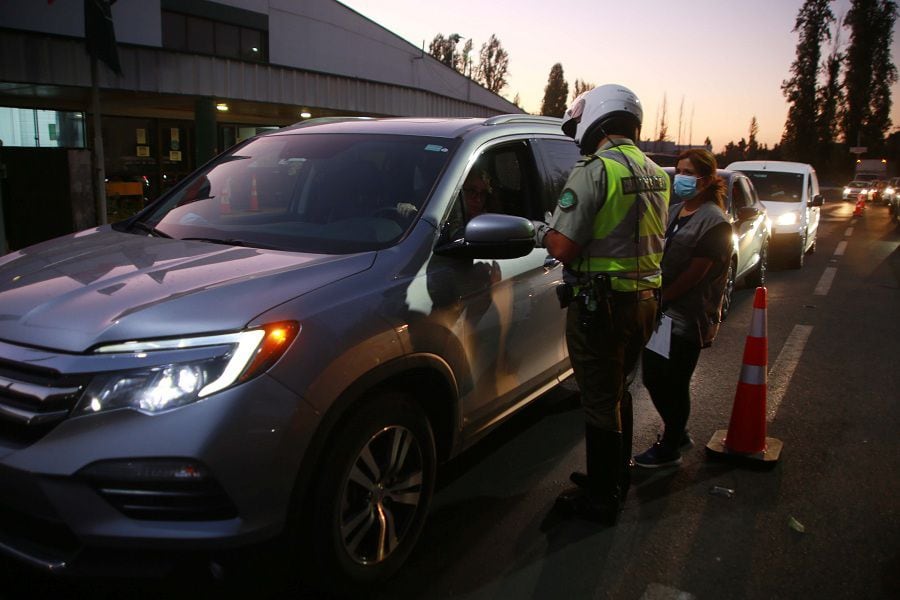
(632, 264)
(758, 323)
(753, 374)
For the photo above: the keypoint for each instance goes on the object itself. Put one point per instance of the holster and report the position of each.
(564, 294)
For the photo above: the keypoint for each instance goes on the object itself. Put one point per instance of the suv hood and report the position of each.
(101, 286)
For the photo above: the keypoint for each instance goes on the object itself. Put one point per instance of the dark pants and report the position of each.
(604, 351)
(669, 382)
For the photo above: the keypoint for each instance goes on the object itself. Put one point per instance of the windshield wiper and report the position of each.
(150, 229)
(230, 242)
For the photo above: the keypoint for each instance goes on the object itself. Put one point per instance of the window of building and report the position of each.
(202, 35)
(30, 128)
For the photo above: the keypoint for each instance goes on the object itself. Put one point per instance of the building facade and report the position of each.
(200, 75)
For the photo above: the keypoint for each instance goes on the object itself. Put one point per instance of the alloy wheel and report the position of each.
(381, 495)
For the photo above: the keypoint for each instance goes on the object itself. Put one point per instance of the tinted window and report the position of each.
(559, 157)
(740, 195)
(332, 194)
(200, 36)
(777, 187)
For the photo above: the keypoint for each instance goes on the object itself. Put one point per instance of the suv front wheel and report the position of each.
(372, 495)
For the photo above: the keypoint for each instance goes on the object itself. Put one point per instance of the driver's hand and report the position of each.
(406, 209)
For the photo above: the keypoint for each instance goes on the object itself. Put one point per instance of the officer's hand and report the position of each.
(406, 209)
(540, 230)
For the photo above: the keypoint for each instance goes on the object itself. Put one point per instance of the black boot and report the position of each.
(627, 415)
(599, 499)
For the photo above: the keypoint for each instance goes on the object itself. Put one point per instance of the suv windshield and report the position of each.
(777, 187)
(321, 193)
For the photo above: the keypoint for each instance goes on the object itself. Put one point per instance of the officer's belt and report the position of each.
(636, 296)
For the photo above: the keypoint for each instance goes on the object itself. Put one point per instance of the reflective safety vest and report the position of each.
(629, 228)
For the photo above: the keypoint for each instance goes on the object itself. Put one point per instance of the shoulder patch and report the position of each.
(567, 199)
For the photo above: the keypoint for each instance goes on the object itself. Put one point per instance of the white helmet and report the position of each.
(585, 120)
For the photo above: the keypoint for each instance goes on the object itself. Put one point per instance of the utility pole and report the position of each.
(99, 160)
(2, 223)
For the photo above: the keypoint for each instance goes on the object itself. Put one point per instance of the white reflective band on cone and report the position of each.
(758, 324)
(753, 374)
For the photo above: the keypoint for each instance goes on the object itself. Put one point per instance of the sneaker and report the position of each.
(658, 456)
(686, 443)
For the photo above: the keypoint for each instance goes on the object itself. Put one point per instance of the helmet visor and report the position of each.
(572, 117)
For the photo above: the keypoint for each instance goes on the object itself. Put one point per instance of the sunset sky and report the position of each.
(724, 60)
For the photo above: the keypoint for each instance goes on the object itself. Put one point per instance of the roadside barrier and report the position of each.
(746, 438)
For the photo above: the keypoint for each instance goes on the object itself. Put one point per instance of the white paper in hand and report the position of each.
(661, 340)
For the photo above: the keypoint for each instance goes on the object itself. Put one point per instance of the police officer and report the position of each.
(607, 230)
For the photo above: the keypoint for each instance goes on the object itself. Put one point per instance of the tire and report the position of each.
(757, 277)
(796, 261)
(375, 483)
(728, 293)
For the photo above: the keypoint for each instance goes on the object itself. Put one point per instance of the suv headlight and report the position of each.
(788, 218)
(245, 354)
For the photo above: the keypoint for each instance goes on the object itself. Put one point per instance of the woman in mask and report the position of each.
(694, 269)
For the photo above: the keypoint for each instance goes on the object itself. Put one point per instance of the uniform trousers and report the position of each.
(604, 347)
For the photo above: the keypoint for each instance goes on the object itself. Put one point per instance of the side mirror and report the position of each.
(492, 235)
(747, 213)
(818, 200)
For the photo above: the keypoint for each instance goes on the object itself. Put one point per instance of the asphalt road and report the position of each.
(824, 522)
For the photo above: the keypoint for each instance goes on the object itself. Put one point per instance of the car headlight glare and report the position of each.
(888, 190)
(788, 218)
(164, 387)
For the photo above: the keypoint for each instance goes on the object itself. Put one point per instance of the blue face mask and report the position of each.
(685, 186)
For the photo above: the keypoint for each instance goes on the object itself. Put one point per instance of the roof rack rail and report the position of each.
(521, 118)
(322, 120)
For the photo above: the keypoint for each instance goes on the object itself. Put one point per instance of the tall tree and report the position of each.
(752, 144)
(555, 93)
(463, 62)
(581, 87)
(829, 98)
(663, 134)
(444, 49)
(493, 65)
(870, 72)
(812, 25)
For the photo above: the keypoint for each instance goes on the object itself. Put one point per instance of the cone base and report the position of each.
(768, 457)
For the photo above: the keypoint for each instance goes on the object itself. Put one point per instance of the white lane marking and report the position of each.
(848, 232)
(841, 248)
(783, 368)
(825, 281)
(657, 591)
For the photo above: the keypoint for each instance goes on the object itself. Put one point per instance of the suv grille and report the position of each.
(33, 401)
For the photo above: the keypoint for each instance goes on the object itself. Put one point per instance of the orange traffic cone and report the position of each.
(746, 435)
(860, 205)
(254, 199)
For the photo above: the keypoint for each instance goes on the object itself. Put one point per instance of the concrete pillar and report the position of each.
(204, 129)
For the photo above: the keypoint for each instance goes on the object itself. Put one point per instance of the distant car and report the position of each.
(853, 189)
(876, 191)
(891, 197)
(790, 191)
(752, 233)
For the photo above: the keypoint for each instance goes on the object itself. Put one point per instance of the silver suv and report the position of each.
(289, 342)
